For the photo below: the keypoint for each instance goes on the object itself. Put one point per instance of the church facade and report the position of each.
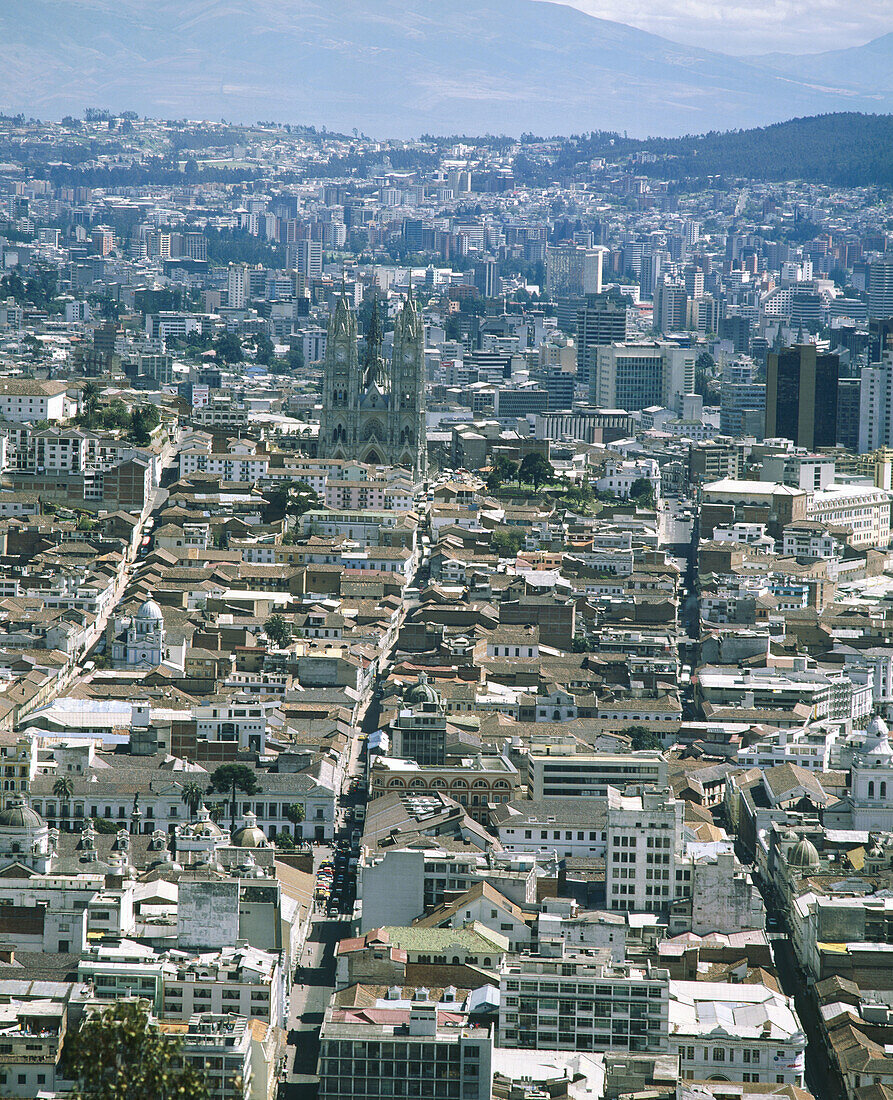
(372, 411)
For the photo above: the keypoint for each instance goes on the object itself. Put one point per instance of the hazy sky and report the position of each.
(752, 26)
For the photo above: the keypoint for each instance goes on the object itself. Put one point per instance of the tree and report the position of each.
(506, 541)
(63, 789)
(90, 398)
(142, 421)
(704, 368)
(228, 348)
(120, 1052)
(643, 738)
(295, 814)
(191, 796)
(535, 469)
(642, 490)
(503, 470)
(292, 498)
(278, 630)
(263, 349)
(229, 778)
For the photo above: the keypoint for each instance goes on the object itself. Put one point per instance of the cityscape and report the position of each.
(446, 609)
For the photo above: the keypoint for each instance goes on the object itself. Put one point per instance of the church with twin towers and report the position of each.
(374, 411)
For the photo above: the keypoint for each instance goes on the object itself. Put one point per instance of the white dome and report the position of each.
(150, 612)
(877, 740)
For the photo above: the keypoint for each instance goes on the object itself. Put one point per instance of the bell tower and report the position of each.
(341, 385)
(408, 440)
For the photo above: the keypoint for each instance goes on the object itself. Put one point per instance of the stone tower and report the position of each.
(371, 411)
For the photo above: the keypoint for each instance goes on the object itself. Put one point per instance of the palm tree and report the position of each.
(63, 789)
(295, 814)
(191, 796)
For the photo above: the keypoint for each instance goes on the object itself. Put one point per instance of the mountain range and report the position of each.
(405, 67)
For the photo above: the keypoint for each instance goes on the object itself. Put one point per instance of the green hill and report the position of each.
(844, 150)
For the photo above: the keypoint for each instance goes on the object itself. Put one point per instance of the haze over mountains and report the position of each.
(407, 67)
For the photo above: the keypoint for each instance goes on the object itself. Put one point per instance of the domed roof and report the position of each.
(249, 835)
(877, 740)
(204, 826)
(421, 692)
(150, 612)
(804, 855)
(16, 815)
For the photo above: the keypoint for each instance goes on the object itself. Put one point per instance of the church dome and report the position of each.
(204, 826)
(422, 692)
(250, 835)
(17, 815)
(149, 612)
(804, 855)
(876, 748)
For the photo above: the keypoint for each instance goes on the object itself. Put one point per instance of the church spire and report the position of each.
(373, 364)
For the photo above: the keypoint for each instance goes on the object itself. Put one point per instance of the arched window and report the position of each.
(478, 783)
(883, 791)
(871, 788)
(460, 783)
(438, 784)
(396, 783)
(418, 783)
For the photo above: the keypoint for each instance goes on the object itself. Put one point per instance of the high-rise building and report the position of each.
(644, 845)
(604, 319)
(238, 286)
(308, 258)
(849, 400)
(571, 270)
(635, 376)
(876, 406)
(880, 338)
(801, 396)
(880, 288)
(486, 277)
(419, 1051)
(373, 412)
(670, 301)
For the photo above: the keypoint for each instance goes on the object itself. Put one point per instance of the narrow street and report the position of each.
(821, 1077)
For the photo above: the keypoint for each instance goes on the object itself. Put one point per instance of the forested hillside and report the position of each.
(846, 149)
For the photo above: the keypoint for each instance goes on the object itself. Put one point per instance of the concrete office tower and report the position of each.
(801, 396)
(880, 288)
(634, 376)
(876, 405)
(372, 411)
(603, 320)
(880, 338)
(644, 845)
(670, 301)
(308, 258)
(237, 285)
(571, 270)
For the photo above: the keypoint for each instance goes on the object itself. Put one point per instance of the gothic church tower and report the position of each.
(373, 412)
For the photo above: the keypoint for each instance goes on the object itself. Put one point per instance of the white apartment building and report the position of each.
(562, 774)
(228, 467)
(619, 477)
(809, 747)
(745, 1032)
(577, 1001)
(645, 845)
(22, 400)
(865, 509)
(570, 827)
